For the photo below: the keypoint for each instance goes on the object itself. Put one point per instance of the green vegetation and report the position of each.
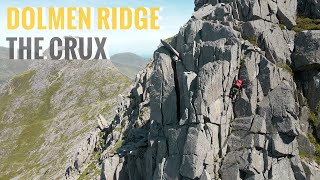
(88, 170)
(306, 24)
(19, 85)
(117, 129)
(95, 160)
(169, 40)
(318, 109)
(252, 40)
(286, 67)
(242, 62)
(30, 139)
(282, 26)
(117, 145)
(303, 154)
(313, 118)
(313, 140)
(89, 81)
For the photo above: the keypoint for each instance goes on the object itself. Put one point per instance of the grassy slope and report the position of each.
(22, 152)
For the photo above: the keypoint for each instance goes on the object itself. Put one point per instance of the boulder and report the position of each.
(109, 168)
(275, 46)
(102, 122)
(195, 150)
(307, 50)
(282, 170)
(305, 146)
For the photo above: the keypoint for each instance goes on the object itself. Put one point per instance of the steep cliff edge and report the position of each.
(179, 123)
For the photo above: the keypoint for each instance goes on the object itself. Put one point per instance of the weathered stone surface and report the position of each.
(194, 130)
(304, 119)
(275, 46)
(109, 167)
(239, 140)
(311, 170)
(255, 28)
(259, 141)
(83, 154)
(203, 12)
(278, 169)
(305, 146)
(282, 104)
(283, 145)
(259, 125)
(242, 124)
(205, 175)
(171, 168)
(307, 50)
(297, 168)
(195, 150)
(102, 122)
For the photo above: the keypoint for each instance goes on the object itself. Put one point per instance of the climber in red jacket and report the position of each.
(235, 89)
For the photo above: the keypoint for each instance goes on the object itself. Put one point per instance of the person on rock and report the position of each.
(235, 89)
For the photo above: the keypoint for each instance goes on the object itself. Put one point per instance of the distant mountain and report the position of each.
(46, 110)
(10, 68)
(129, 63)
(129, 59)
(4, 53)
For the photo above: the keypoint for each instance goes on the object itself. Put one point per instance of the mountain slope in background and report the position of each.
(4, 53)
(9, 68)
(45, 111)
(129, 63)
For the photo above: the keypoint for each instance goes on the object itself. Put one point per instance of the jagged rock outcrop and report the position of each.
(83, 153)
(307, 62)
(307, 50)
(178, 122)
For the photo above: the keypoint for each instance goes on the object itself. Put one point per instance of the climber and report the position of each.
(235, 89)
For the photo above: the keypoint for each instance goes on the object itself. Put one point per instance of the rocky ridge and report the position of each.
(179, 123)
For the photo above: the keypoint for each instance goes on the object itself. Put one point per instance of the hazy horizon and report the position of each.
(142, 42)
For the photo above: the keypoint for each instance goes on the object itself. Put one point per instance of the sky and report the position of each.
(173, 15)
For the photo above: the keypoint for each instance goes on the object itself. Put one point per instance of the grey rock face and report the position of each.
(193, 130)
(311, 170)
(277, 49)
(109, 167)
(102, 122)
(82, 156)
(307, 50)
(305, 145)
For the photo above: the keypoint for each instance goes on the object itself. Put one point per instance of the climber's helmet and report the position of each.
(239, 83)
